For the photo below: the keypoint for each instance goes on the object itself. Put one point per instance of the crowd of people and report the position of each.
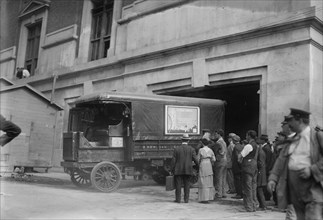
(287, 171)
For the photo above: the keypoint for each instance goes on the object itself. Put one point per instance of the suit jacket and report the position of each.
(182, 160)
(261, 165)
(270, 158)
(280, 170)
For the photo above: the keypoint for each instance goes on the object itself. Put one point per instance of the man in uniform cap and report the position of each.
(182, 168)
(298, 171)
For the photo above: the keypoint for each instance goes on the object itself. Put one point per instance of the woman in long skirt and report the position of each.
(206, 189)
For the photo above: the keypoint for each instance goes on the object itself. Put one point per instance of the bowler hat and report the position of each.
(297, 113)
(186, 137)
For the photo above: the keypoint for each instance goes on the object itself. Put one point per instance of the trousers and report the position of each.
(249, 191)
(179, 181)
(301, 197)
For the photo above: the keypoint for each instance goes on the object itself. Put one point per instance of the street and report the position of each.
(53, 196)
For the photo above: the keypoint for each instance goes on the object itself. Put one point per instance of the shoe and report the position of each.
(204, 202)
(236, 197)
(177, 201)
(224, 196)
(186, 201)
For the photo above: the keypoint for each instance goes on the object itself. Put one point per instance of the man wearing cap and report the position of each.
(182, 168)
(298, 171)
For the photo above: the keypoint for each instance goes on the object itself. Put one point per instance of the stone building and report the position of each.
(262, 57)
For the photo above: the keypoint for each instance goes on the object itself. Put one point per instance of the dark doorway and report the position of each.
(242, 108)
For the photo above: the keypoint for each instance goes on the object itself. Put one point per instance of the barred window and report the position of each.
(101, 28)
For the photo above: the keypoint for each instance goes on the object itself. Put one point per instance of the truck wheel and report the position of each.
(106, 176)
(80, 178)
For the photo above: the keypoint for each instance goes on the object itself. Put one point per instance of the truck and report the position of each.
(112, 134)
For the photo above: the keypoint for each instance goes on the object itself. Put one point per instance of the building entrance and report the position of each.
(242, 109)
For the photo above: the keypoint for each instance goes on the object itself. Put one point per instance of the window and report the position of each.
(32, 47)
(101, 28)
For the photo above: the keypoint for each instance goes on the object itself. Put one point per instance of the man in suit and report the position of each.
(11, 131)
(298, 171)
(182, 168)
(220, 166)
(270, 159)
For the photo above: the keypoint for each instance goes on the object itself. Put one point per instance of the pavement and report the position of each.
(54, 192)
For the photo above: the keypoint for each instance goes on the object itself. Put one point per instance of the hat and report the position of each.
(231, 135)
(297, 113)
(186, 137)
(264, 137)
(236, 138)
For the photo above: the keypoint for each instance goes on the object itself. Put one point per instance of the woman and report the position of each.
(205, 180)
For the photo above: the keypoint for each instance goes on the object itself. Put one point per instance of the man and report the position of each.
(11, 131)
(206, 134)
(249, 172)
(230, 178)
(182, 168)
(220, 166)
(236, 166)
(261, 175)
(268, 149)
(298, 171)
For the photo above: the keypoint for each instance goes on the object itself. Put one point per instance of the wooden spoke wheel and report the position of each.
(80, 178)
(106, 176)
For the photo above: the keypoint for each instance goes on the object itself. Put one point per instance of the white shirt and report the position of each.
(25, 73)
(300, 151)
(246, 150)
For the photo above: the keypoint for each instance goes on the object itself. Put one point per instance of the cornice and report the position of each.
(131, 57)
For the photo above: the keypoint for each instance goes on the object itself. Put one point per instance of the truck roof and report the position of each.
(129, 97)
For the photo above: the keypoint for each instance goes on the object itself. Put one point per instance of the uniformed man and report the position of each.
(298, 171)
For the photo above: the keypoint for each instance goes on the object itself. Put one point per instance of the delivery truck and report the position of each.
(113, 134)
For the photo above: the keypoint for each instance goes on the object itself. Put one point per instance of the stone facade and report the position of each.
(176, 46)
